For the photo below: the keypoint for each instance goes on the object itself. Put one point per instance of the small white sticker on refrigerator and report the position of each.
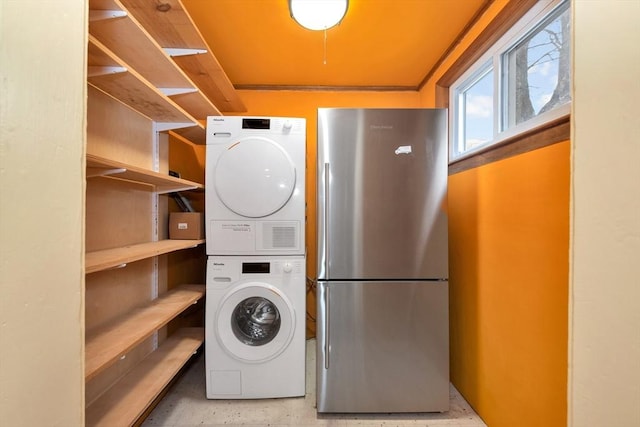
(403, 149)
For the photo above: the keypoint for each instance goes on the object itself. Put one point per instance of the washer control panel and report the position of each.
(222, 271)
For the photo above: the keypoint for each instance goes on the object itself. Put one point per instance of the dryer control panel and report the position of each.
(220, 126)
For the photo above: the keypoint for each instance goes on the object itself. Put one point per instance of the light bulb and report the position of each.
(318, 14)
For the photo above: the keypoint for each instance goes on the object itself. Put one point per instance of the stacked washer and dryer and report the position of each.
(255, 228)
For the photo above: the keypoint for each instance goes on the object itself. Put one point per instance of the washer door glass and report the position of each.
(254, 177)
(255, 322)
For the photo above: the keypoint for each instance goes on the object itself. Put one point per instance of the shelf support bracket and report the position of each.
(171, 91)
(160, 127)
(95, 172)
(174, 51)
(160, 190)
(95, 71)
(101, 15)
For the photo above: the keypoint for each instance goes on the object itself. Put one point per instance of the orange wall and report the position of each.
(187, 158)
(509, 246)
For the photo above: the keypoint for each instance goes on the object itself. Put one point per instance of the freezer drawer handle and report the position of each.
(326, 327)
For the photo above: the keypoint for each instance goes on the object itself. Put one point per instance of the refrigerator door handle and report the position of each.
(326, 327)
(326, 220)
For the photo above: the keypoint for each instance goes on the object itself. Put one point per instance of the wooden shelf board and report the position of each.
(156, 181)
(127, 39)
(127, 400)
(131, 88)
(196, 104)
(176, 29)
(206, 73)
(110, 258)
(104, 346)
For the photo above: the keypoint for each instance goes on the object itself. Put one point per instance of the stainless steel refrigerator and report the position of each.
(382, 318)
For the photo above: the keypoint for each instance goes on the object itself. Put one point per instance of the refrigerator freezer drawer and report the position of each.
(383, 346)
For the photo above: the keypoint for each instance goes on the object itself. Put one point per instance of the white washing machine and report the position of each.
(255, 327)
(255, 180)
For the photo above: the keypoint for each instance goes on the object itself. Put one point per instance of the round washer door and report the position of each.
(255, 177)
(255, 322)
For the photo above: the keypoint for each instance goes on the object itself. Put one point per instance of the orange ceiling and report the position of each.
(379, 44)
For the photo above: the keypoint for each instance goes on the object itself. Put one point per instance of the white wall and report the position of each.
(42, 134)
(604, 376)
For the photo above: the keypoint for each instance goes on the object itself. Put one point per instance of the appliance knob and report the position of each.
(287, 267)
(287, 125)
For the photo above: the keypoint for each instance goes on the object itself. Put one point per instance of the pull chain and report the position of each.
(325, 47)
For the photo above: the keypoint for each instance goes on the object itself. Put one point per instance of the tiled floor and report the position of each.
(186, 405)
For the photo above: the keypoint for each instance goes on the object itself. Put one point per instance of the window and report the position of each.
(519, 84)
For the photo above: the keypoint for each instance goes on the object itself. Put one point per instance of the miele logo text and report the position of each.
(218, 120)
(381, 127)
(219, 264)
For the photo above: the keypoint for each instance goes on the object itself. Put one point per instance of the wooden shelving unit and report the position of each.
(106, 345)
(140, 88)
(119, 257)
(129, 398)
(128, 40)
(157, 182)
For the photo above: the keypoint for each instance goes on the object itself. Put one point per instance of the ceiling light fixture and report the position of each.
(318, 14)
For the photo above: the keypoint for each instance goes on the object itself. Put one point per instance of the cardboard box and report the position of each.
(186, 225)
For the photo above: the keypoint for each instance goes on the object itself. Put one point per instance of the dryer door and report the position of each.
(255, 322)
(255, 177)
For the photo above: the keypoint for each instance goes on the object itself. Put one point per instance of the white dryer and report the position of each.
(255, 327)
(255, 180)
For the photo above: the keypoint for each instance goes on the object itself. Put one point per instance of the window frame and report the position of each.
(459, 95)
(512, 30)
